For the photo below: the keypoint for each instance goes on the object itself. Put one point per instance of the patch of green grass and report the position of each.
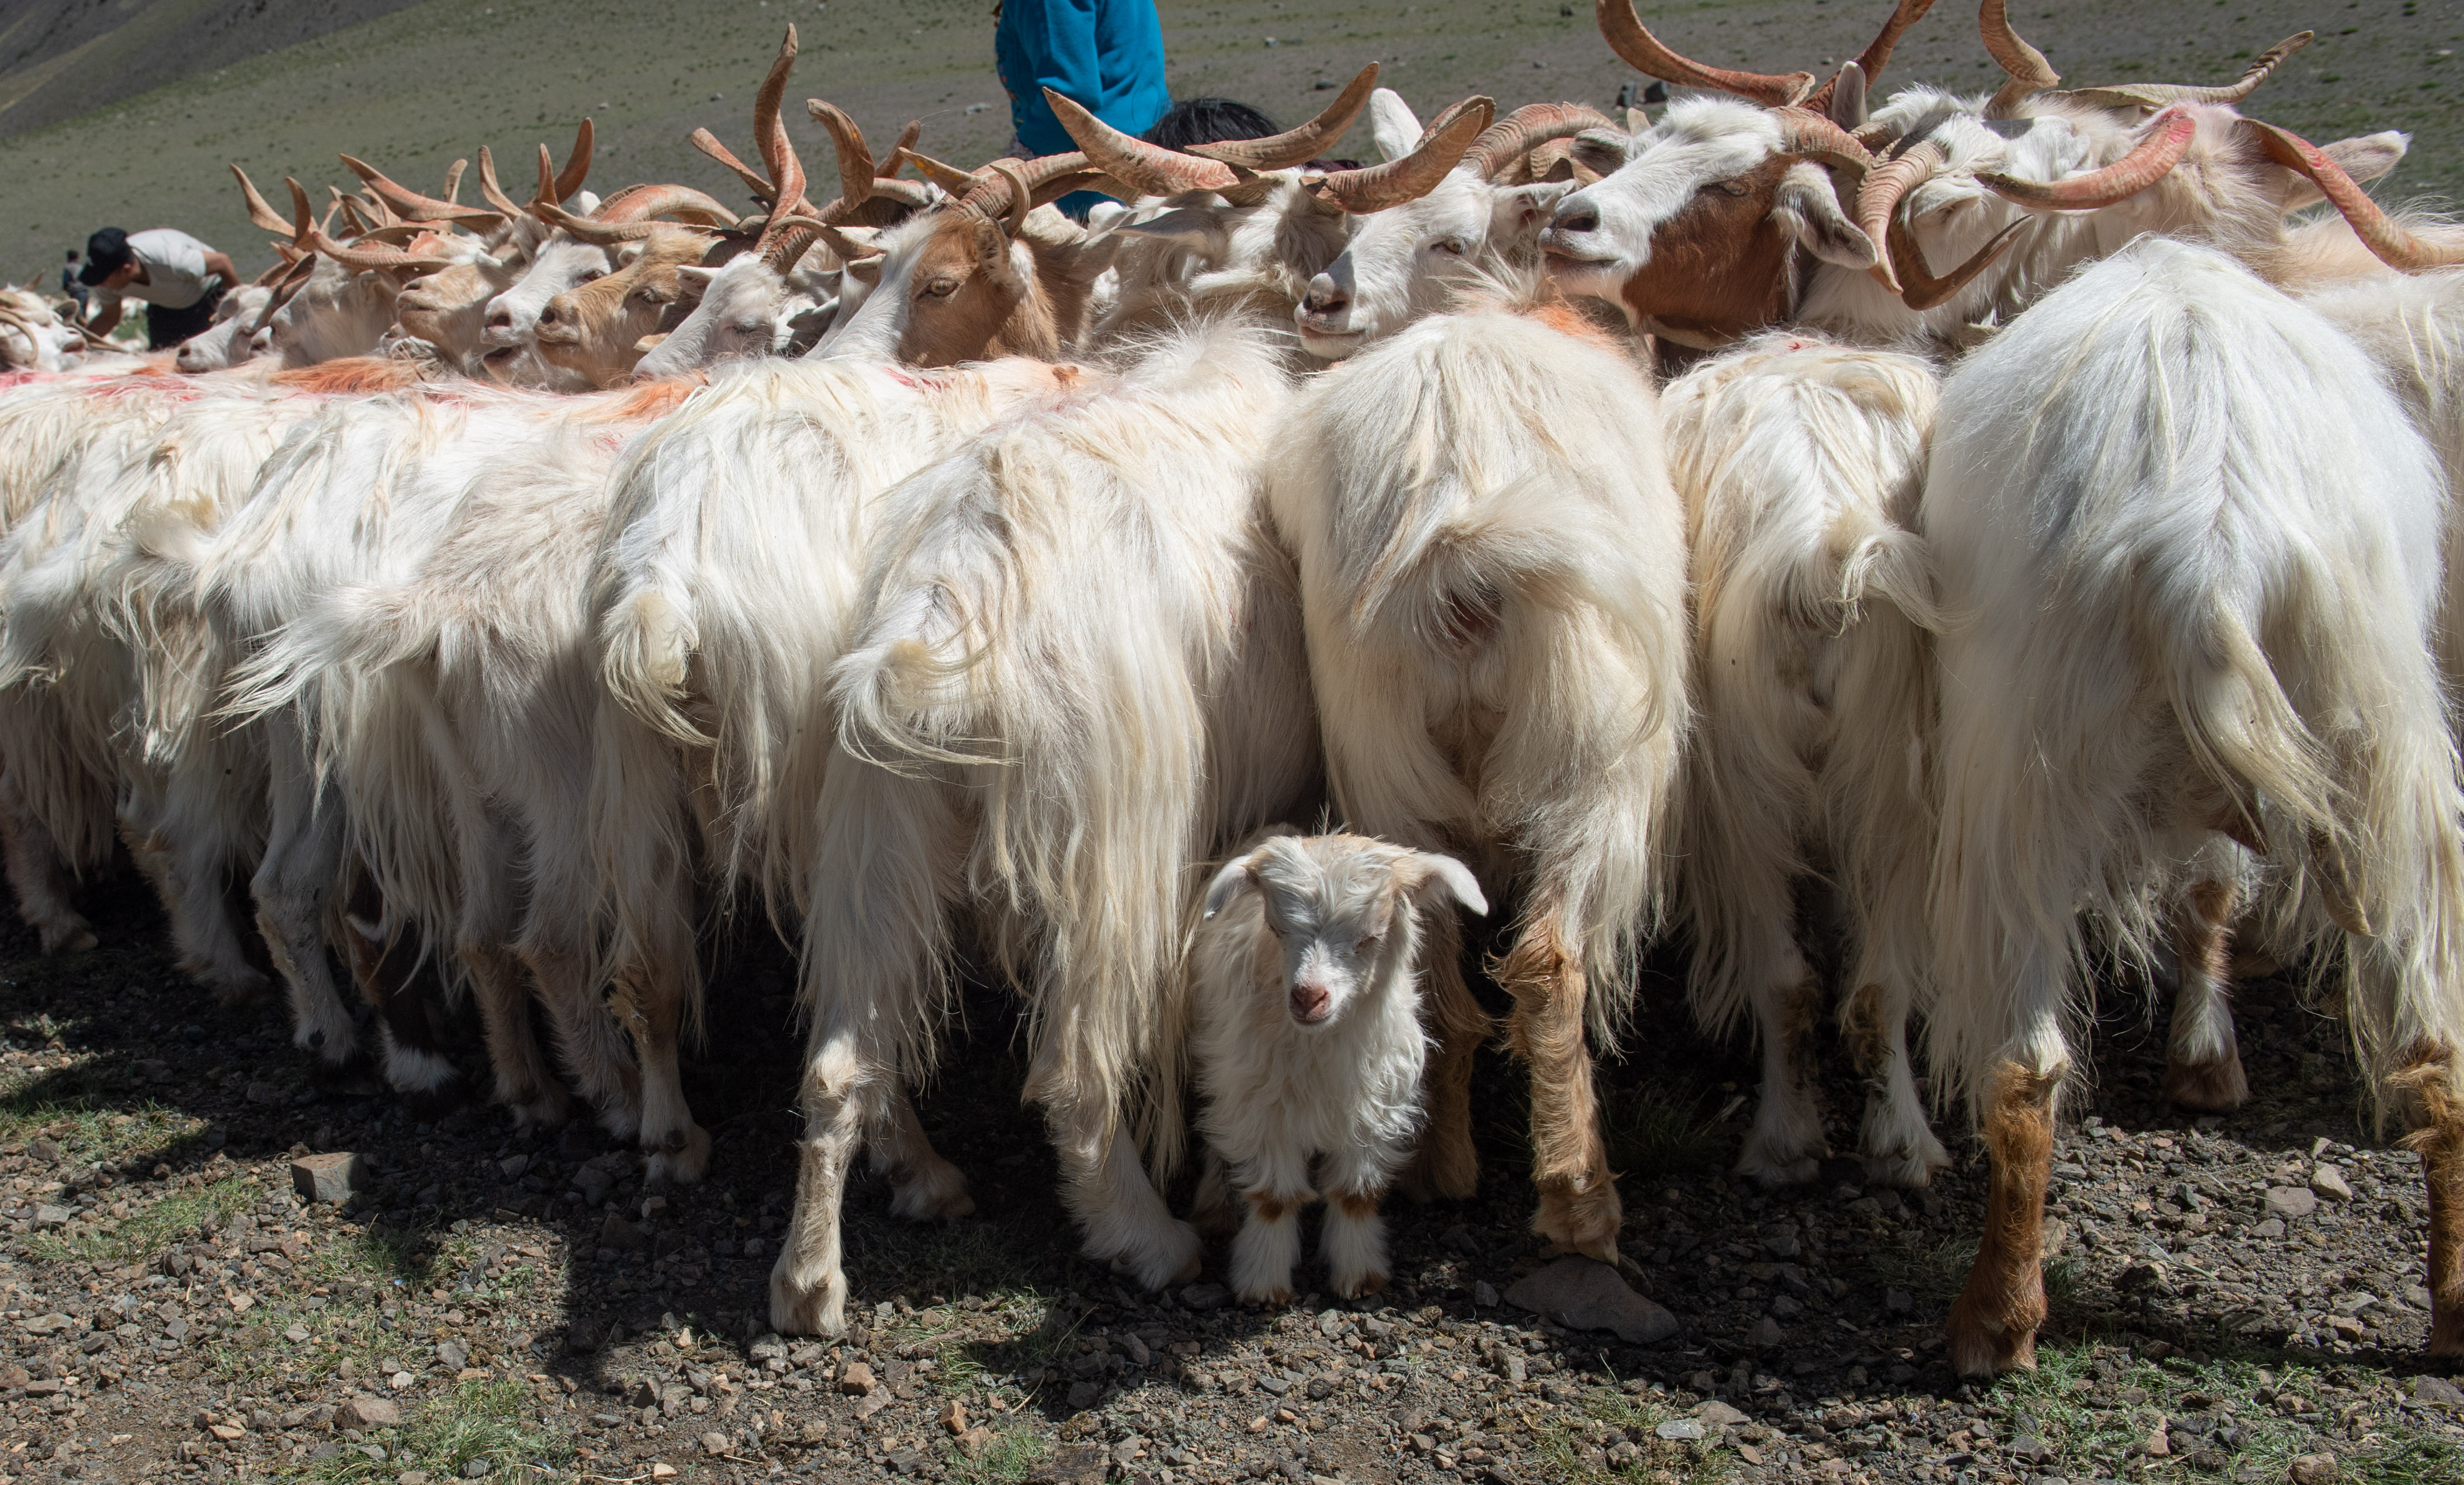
(484, 1419)
(1009, 1458)
(2062, 1398)
(1564, 1444)
(1651, 1133)
(1936, 1274)
(147, 1230)
(88, 1133)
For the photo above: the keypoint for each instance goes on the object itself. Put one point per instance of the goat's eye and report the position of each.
(1452, 246)
(941, 288)
(1729, 187)
(594, 275)
(751, 327)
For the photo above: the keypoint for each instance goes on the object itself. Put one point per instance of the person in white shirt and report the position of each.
(180, 279)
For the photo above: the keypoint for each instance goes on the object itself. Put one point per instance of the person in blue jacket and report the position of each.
(1106, 55)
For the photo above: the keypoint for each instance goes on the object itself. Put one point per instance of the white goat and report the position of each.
(2190, 545)
(1306, 1008)
(1492, 569)
(1079, 672)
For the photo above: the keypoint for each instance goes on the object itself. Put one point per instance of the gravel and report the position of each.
(2236, 1298)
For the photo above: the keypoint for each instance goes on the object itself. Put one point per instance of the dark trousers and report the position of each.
(166, 329)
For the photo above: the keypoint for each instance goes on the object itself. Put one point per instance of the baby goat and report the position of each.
(1308, 1042)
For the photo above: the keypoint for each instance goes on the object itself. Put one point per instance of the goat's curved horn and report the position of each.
(1295, 147)
(914, 195)
(2156, 95)
(770, 134)
(492, 193)
(259, 210)
(1378, 187)
(949, 177)
(907, 138)
(1526, 129)
(857, 169)
(1876, 53)
(1817, 137)
(1631, 40)
(352, 255)
(295, 278)
(1924, 291)
(546, 194)
(576, 165)
(1003, 193)
(670, 201)
(2029, 71)
(303, 216)
(1150, 169)
(598, 234)
(708, 143)
(2380, 232)
(849, 250)
(454, 181)
(413, 205)
(2143, 166)
(1879, 196)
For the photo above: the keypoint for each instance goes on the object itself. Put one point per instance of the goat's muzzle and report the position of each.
(1309, 1004)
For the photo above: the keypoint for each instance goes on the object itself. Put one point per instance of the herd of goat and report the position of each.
(2015, 514)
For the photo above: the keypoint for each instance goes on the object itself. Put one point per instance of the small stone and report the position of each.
(1899, 1301)
(1204, 1296)
(2031, 1448)
(2272, 1226)
(873, 1405)
(2436, 1392)
(1766, 1333)
(1719, 1415)
(2158, 1443)
(334, 1178)
(714, 1443)
(622, 1235)
(46, 1324)
(369, 1412)
(975, 1440)
(1082, 1396)
(2328, 1183)
(857, 1378)
(954, 1417)
(263, 1093)
(476, 1470)
(1749, 1453)
(1585, 1294)
(1681, 1429)
(2312, 1470)
(1330, 1323)
(411, 1477)
(1781, 1240)
(2290, 1202)
(1484, 1294)
(514, 1165)
(451, 1356)
(46, 1216)
(662, 1472)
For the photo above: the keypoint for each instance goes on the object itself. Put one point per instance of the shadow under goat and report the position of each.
(1306, 1008)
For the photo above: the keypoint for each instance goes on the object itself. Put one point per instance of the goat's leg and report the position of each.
(1105, 1185)
(192, 874)
(526, 1084)
(1786, 1146)
(2438, 1139)
(384, 958)
(1896, 1141)
(589, 1029)
(301, 864)
(1274, 1185)
(847, 1089)
(1352, 1243)
(1578, 1198)
(923, 1187)
(1448, 1164)
(37, 875)
(651, 995)
(2201, 1057)
(1211, 1209)
(1992, 1325)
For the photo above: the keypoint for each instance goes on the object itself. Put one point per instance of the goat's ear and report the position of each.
(1235, 878)
(1848, 97)
(1392, 124)
(991, 245)
(1807, 208)
(1179, 222)
(1524, 209)
(696, 280)
(2365, 158)
(866, 270)
(1599, 151)
(629, 254)
(1450, 877)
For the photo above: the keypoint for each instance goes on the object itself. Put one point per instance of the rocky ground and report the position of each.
(2234, 1299)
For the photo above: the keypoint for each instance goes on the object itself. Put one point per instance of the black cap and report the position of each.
(104, 251)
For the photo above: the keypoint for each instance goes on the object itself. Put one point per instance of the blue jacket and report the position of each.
(1104, 55)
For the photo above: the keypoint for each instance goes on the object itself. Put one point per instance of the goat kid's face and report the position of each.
(230, 339)
(1406, 263)
(593, 329)
(1341, 907)
(951, 285)
(1696, 221)
(747, 308)
(512, 315)
(449, 308)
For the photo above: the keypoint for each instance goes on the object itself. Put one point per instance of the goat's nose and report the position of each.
(501, 320)
(1324, 295)
(1577, 217)
(1309, 1004)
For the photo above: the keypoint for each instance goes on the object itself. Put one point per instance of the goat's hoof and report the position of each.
(2208, 1087)
(545, 1108)
(235, 988)
(1272, 1297)
(1771, 1161)
(2446, 1330)
(623, 1121)
(1358, 1286)
(1979, 1347)
(72, 936)
(815, 1308)
(1454, 1177)
(685, 1160)
(1586, 1222)
(1906, 1168)
(1174, 1256)
(938, 1193)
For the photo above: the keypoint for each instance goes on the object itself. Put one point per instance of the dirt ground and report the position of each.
(2233, 1299)
(414, 90)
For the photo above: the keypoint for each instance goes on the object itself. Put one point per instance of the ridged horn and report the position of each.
(1633, 41)
(1924, 291)
(667, 201)
(2379, 231)
(708, 143)
(1876, 53)
(1526, 129)
(1815, 137)
(857, 169)
(1150, 169)
(1878, 197)
(576, 165)
(454, 181)
(2156, 95)
(259, 210)
(2029, 73)
(1297, 147)
(907, 138)
(952, 180)
(352, 255)
(786, 171)
(492, 192)
(2143, 166)
(411, 204)
(1380, 187)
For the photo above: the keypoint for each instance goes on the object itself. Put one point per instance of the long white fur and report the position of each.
(2193, 545)
(1335, 917)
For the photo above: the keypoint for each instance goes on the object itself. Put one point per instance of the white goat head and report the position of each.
(1340, 905)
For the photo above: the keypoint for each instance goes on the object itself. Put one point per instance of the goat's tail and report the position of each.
(646, 640)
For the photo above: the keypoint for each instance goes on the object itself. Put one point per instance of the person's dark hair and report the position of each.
(104, 251)
(1208, 121)
(72, 254)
